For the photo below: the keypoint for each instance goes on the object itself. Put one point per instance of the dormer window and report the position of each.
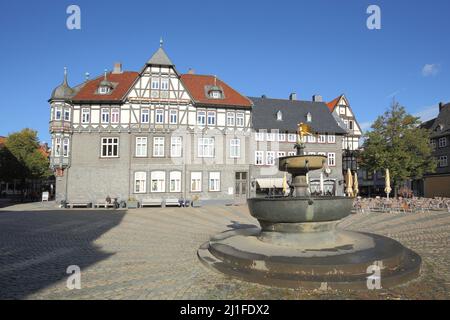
(215, 94)
(279, 116)
(104, 90)
(309, 117)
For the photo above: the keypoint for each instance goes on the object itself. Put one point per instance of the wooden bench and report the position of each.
(151, 203)
(172, 202)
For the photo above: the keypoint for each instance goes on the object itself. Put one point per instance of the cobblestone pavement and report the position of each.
(151, 254)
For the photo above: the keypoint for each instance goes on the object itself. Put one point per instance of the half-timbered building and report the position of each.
(152, 134)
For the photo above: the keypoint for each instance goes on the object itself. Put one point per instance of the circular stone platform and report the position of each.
(341, 261)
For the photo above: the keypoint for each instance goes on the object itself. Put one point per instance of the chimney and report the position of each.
(293, 96)
(317, 98)
(191, 71)
(117, 68)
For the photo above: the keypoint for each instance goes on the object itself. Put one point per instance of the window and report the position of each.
(110, 147)
(312, 139)
(322, 138)
(433, 144)
(175, 147)
(281, 154)
(331, 159)
(259, 136)
(155, 84)
(292, 137)
(259, 158)
(57, 147)
(239, 119)
(309, 117)
(85, 115)
(346, 123)
(105, 116)
(140, 182)
(141, 146)
(443, 161)
(173, 116)
(270, 158)
(322, 154)
(66, 114)
(58, 113)
(206, 147)
(104, 90)
(342, 110)
(231, 119)
(158, 180)
(442, 142)
(66, 147)
(201, 118)
(331, 138)
(270, 136)
(165, 84)
(292, 153)
(350, 124)
(214, 181)
(215, 94)
(281, 137)
(312, 153)
(158, 146)
(196, 181)
(115, 115)
(159, 116)
(175, 181)
(145, 115)
(211, 118)
(279, 116)
(235, 148)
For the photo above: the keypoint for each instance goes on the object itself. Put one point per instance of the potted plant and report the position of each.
(132, 203)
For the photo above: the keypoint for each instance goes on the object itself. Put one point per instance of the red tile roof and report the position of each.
(2, 141)
(124, 82)
(196, 84)
(332, 104)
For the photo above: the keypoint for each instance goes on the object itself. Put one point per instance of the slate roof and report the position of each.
(160, 58)
(294, 111)
(440, 126)
(199, 85)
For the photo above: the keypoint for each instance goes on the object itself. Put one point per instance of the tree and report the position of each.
(397, 143)
(21, 157)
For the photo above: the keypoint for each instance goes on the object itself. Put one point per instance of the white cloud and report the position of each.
(428, 113)
(430, 70)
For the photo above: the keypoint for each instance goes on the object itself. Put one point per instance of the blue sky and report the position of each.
(258, 47)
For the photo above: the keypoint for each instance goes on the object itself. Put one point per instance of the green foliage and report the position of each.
(21, 157)
(397, 143)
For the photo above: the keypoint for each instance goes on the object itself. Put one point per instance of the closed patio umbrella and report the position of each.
(349, 182)
(387, 180)
(321, 184)
(356, 185)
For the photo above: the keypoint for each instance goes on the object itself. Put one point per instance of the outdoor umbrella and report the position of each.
(349, 182)
(285, 185)
(356, 185)
(321, 183)
(387, 183)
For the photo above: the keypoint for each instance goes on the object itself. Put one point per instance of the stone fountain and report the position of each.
(299, 243)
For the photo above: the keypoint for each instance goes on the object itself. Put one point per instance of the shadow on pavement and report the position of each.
(37, 247)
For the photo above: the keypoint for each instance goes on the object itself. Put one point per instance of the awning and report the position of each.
(269, 183)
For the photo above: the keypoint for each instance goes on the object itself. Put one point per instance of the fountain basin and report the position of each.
(300, 165)
(299, 209)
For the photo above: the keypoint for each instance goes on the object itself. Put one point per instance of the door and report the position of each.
(241, 186)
